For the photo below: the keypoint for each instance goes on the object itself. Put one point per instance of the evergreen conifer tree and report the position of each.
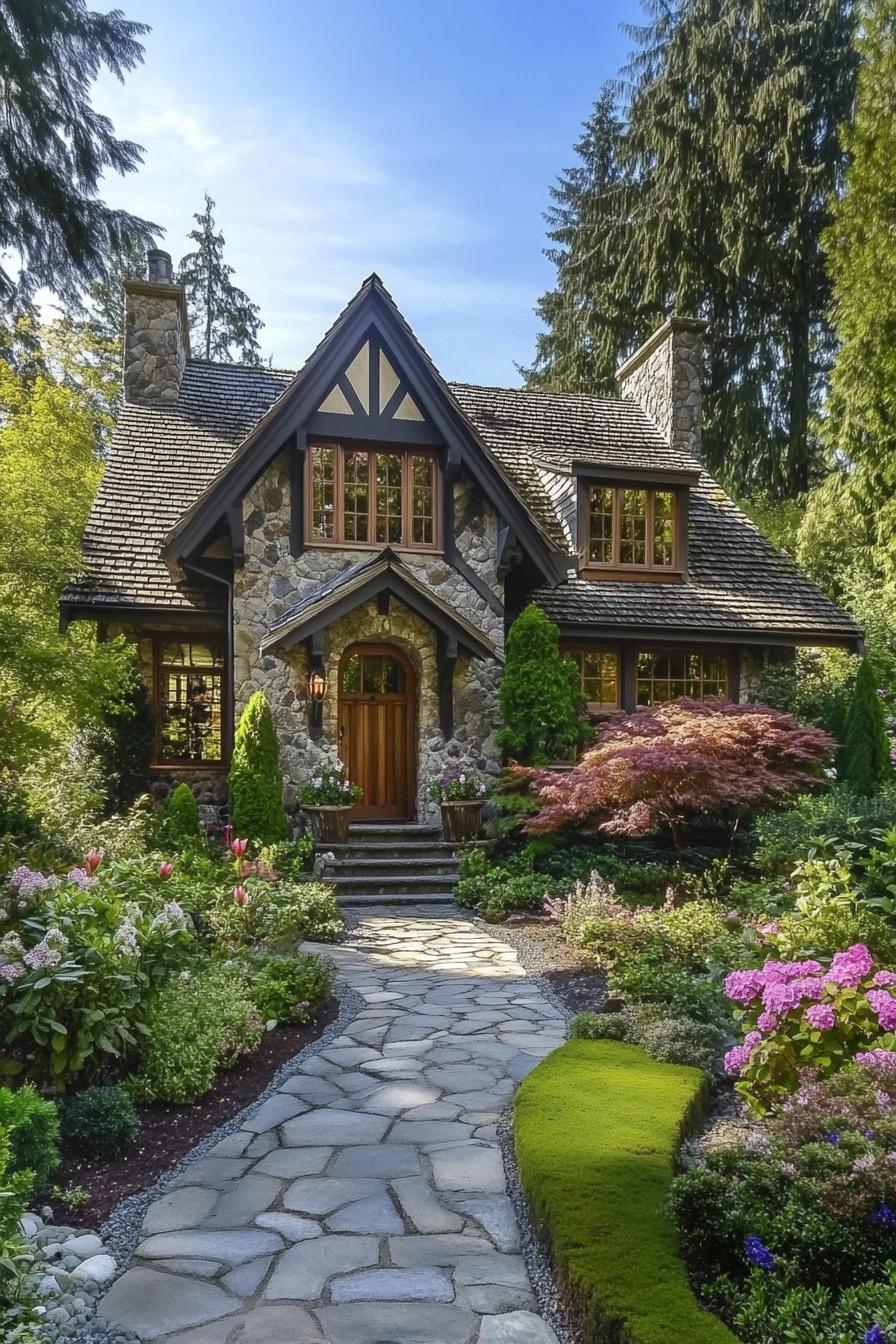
(222, 317)
(181, 827)
(866, 749)
(540, 700)
(256, 784)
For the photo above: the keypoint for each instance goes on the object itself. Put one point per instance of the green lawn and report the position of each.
(597, 1128)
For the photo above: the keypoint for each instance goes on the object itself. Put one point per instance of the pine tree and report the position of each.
(222, 317)
(540, 700)
(730, 156)
(256, 784)
(860, 425)
(866, 750)
(54, 148)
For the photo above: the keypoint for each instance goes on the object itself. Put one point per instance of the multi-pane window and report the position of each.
(372, 674)
(630, 527)
(372, 496)
(189, 695)
(598, 675)
(661, 677)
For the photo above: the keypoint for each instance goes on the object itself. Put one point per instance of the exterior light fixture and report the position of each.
(316, 685)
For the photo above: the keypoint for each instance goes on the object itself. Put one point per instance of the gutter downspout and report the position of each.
(229, 726)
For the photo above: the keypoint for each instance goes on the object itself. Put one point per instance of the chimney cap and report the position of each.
(159, 269)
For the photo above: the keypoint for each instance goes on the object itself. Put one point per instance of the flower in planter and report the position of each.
(239, 895)
(92, 861)
(328, 787)
(458, 784)
(166, 870)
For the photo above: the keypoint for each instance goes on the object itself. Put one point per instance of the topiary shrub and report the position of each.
(100, 1122)
(32, 1125)
(541, 703)
(866, 749)
(180, 827)
(256, 783)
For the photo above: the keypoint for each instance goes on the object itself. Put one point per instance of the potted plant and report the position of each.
(328, 798)
(460, 793)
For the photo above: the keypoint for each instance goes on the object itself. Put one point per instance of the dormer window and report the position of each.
(630, 527)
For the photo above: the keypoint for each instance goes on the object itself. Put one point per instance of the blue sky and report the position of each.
(416, 138)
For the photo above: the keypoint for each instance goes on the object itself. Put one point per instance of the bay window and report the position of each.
(372, 496)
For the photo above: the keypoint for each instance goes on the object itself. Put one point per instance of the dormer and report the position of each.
(632, 523)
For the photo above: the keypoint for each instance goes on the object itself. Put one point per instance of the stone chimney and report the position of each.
(156, 333)
(665, 378)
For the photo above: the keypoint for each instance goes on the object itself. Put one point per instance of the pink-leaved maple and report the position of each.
(681, 764)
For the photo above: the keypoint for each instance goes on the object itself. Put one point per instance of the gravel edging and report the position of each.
(121, 1230)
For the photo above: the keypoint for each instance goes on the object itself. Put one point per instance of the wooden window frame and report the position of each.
(597, 707)
(615, 568)
(407, 452)
(159, 667)
(725, 656)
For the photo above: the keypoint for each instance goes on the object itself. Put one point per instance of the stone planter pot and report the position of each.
(329, 825)
(461, 821)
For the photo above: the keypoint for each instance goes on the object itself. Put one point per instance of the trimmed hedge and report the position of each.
(598, 1125)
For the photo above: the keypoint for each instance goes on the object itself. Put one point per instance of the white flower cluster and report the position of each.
(48, 952)
(126, 940)
(171, 918)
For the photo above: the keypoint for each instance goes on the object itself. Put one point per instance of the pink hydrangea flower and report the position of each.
(737, 1058)
(779, 996)
(884, 1007)
(789, 970)
(848, 969)
(743, 986)
(884, 978)
(821, 1016)
(767, 1021)
(809, 986)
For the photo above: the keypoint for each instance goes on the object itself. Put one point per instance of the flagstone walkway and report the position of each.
(364, 1203)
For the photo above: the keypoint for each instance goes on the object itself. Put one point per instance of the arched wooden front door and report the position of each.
(377, 697)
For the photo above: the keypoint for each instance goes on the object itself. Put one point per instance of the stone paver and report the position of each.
(365, 1201)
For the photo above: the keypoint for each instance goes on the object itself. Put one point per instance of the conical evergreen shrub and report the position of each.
(540, 698)
(866, 748)
(181, 827)
(256, 784)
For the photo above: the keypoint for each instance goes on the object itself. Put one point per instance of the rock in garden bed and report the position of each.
(168, 1132)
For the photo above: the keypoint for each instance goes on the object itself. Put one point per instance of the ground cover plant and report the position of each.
(597, 1128)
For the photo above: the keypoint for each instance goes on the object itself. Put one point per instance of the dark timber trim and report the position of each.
(297, 448)
(446, 661)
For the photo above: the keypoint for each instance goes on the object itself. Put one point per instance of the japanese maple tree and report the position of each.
(661, 770)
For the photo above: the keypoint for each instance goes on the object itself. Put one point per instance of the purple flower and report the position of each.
(11, 971)
(883, 1060)
(883, 1217)
(821, 1016)
(874, 1335)
(25, 882)
(883, 978)
(766, 1021)
(743, 986)
(758, 1253)
(848, 969)
(884, 1006)
(833, 1138)
(79, 877)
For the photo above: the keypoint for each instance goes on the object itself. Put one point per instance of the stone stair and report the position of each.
(386, 864)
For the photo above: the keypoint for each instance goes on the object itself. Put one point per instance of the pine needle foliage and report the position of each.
(223, 319)
(256, 784)
(866, 749)
(540, 700)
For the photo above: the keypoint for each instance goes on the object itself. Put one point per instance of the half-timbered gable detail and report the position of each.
(355, 538)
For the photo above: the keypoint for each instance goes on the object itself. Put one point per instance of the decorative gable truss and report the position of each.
(370, 399)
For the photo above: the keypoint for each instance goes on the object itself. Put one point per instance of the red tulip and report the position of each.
(239, 895)
(239, 847)
(93, 860)
(166, 869)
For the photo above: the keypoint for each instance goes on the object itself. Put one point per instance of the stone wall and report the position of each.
(272, 580)
(156, 341)
(665, 378)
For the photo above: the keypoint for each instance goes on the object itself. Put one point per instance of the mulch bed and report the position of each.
(167, 1133)
(569, 971)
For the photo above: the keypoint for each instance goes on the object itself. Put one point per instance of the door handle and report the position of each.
(341, 731)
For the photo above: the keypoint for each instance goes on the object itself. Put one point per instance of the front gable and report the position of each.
(369, 379)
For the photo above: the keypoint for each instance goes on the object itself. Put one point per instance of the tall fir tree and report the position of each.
(730, 156)
(542, 706)
(860, 422)
(865, 759)
(222, 317)
(54, 147)
(256, 781)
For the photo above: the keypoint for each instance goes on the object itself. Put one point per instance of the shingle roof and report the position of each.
(164, 457)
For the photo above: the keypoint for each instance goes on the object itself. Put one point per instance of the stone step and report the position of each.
(399, 898)
(347, 887)
(400, 865)
(391, 833)
(413, 849)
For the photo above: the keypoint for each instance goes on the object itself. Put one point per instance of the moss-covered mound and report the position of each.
(597, 1127)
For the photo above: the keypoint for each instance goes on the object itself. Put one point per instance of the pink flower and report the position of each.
(789, 970)
(738, 1058)
(239, 847)
(850, 968)
(779, 996)
(884, 1007)
(884, 1060)
(92, 861)
(239, 895)
(809, 987)
(821, 1016)
(766, 1021)
(743, 986)
(165, 870)
(767, 931)
(884, 978)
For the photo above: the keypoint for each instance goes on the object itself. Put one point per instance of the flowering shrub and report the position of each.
(328, 787)
(77, 961)
(802, 1014)
(458, 784)
(659, 770)
(278, 914)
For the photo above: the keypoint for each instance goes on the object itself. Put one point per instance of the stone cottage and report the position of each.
(355, 538)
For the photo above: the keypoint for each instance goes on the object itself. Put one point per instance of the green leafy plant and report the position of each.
(866, 748)
(290, 989)
(671, 1040)
(496, 892)
(196, 1025)
(458, 784)
(32, 1128)
(19, 1319)
(291, 858)
(256, 782)
(180, 826)
(645, 977)
(278, 914)
(541, 703)
(99, 1122)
